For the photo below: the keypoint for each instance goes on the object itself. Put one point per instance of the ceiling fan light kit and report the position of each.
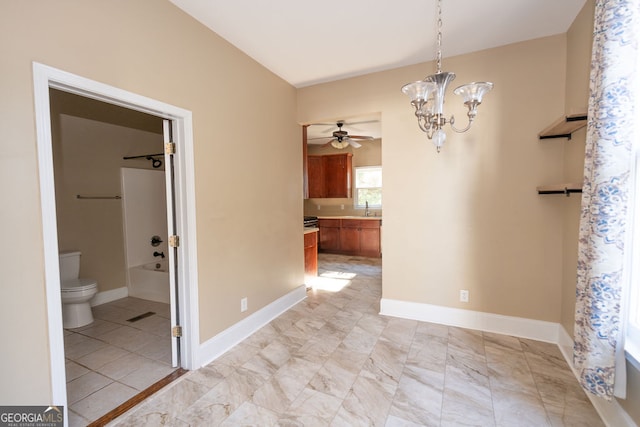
(427, 97)
(342, 139)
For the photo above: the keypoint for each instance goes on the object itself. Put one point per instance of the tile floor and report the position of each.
(333, 360)
(112, 360)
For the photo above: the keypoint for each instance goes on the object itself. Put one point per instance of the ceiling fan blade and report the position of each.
(361, 137)
(354, 144)
(320, 137)
(361, 123)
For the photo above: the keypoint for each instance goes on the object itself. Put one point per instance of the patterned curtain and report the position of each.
(611, 131)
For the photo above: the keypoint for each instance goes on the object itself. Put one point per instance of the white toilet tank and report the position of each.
(69, 265)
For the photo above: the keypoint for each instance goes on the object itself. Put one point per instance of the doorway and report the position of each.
(110, 181)
(177, 122)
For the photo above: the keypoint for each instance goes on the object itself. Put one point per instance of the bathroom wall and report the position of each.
(88, 155)
(370, 154)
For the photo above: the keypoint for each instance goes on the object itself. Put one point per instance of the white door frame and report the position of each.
(45, 77)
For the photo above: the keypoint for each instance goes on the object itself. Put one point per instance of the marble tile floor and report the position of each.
(332, 360)
(111, 360)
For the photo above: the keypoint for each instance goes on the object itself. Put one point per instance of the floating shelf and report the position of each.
(565, 189)
(564, 126)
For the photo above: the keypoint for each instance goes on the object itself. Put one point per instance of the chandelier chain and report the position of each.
(439, 39)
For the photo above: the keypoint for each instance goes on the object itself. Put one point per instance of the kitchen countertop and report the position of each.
(310, 230)
(349, 217)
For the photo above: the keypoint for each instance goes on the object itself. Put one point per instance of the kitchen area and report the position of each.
(342, 169)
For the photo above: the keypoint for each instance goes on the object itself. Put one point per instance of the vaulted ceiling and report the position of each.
(307, 42)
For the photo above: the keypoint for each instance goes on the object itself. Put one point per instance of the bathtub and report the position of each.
(150, 281)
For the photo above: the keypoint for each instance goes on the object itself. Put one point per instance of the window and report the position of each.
(368, 187)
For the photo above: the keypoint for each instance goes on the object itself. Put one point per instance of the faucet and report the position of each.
(160, 254)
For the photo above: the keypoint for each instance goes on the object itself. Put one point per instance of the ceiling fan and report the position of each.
(341, 139)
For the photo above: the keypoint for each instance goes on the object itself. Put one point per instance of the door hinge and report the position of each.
(176, 331)
(174, 241)
(169, 148)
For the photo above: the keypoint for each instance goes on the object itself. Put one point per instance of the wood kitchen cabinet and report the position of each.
(360, 237)
(315, 177)
(329, 235)
(350, 236)
(329, 176)
(311, 253)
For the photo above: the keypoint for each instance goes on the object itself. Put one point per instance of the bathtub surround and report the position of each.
(144, 211)
(150, 282)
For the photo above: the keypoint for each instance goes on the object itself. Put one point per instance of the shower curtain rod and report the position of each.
(147, 156)
(80, 196)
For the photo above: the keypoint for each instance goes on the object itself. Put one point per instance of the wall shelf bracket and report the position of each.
(565, 189)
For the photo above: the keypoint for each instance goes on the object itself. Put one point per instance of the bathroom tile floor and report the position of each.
(112, 359)
(333, 360)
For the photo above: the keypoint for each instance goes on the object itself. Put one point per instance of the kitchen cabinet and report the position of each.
(370, 238)
(311, 253)
(350, 236)
(329, 235)
(329, 176)
(316, 177)
(360, 237)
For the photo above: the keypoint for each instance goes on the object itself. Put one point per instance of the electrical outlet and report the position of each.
(464, 295)
(318, 206)
(243, 304)
(342, 207)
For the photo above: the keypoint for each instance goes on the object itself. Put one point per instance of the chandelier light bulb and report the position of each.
(438, 139)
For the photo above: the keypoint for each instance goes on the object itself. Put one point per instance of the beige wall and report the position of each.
(469, 217)
(579, 38)
(242, 165)
(370, 154)
(87, 160)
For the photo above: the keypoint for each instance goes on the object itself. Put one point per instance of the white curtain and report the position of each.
(604, 227)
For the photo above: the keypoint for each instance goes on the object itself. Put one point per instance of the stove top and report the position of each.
(310, 221)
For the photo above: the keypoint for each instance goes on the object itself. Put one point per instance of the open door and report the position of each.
(174, 240)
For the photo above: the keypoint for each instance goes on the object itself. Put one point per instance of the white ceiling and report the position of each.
(307, 42)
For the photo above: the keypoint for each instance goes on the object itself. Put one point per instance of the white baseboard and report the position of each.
(612, 413)
(227, 339)
(515, 326)
(110, 295)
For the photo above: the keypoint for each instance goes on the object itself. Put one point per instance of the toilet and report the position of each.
(76, 292)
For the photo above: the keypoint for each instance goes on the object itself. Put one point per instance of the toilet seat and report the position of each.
(78, 285)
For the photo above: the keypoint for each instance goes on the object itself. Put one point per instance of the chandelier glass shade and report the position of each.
(427, 97)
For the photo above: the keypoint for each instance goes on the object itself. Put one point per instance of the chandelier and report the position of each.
(427, 96)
